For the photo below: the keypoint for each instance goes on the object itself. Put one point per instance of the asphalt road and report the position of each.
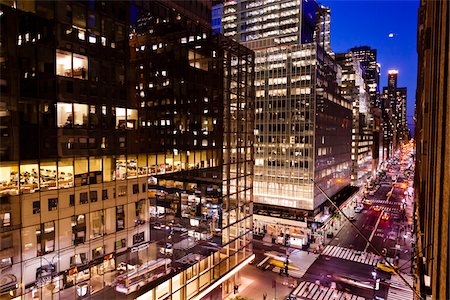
(331, 269)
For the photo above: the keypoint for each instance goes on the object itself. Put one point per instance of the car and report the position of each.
(372, 193)
(367, 202)
(377, 208)
(352, 218)
(385, 217)
(387, 268)
(359, 209)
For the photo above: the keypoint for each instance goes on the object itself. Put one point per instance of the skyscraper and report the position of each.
(303, 124)
(354, 89)
(432, 134)
(128, 162)
(396, 96)
(371, 71)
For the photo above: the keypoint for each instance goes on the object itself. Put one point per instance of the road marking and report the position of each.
(316, 292)
(262, 262)
(349, 254)
(373, 232)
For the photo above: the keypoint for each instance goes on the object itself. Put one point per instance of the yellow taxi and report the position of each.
(377, 208)
(367, 202)
(387, 268)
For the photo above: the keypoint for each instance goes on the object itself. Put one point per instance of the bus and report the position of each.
(133, 280)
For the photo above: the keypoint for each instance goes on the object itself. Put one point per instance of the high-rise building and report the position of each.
(432, 136)
(303, 124)
(371, 74)
(371, 71)
(396, 96)
(126, 152)
(353, 88)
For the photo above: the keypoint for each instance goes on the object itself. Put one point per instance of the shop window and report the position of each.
(120, 218)
(78, 260)
(9, 179)
(72, 200)
(65, 174)
(104, 194)
(47, 175)
(138, 238)
(80, 115)
(36, 207)
(29, 178)
(52, 204)
(135, 189)
(132, 167)
(5, 219)
(121, 169)
(83, 198)
(45, 234)
(78, 229)
(93, 196)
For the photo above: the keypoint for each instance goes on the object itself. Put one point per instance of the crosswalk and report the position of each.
(379, 201)
(391, 209)
(398, 290)
(311, 291)
(350, 254)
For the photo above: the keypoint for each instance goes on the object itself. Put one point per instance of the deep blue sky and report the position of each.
(369, 22)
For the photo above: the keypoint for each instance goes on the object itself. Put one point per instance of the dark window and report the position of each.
(104, 194)
(135, 188)
(83, 198)
(36, 207)
(78, 229)
(6, 242)
(52, 204)
(144, 187)
(120, 218)
(93, 196)
(72, 200)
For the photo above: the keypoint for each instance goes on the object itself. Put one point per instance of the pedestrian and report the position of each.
(264, 296)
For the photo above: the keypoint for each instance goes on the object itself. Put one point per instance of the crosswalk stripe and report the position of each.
(327, 249)
(303, 288)
(349, 254)
(298, 288)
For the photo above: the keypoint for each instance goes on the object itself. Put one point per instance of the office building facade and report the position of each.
(396, 98)
(124, 170)
(303, 124)
(432, 134)
(353, 88)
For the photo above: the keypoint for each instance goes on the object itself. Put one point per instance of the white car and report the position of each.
(359, 209)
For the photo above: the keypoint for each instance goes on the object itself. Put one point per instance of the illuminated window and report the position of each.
(68, 64)
(198, 61)
(64, 114)
(80, 114)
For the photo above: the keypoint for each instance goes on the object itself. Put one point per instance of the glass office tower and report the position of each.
(126, 153)
(303, 124)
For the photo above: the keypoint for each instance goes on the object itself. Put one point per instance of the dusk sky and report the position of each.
(369, 22)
